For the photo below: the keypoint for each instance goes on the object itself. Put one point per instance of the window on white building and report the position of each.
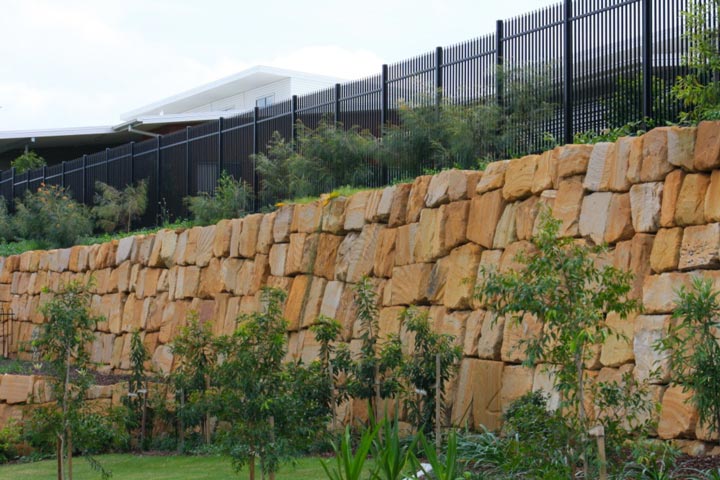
(265, 101)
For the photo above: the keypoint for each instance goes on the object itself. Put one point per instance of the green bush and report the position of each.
(116, 209)
(27, 161)
(232, 199)
(7, 230)
(320, 160)
(10, 439)
(51, 217)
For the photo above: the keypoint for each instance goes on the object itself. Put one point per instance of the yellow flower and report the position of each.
(280, 204)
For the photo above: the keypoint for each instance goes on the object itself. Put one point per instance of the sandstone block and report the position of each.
(634, 256)
(573, 160)
(544, 381)
(314, 300)
(362, 258)
(265, 234)
(485, 212)
(519, 178)
(204, 246)
(505, 231)
(398, 210)
(645, 202)
(333, 216)
(409, 283)
(463, 266)
(616, 166)
(681, 146)
(659, 291)
(665, 254)
(326, 253)
(355, 211)
(478, 400)
(278, 255)
(473, 331)
(712, 198)
(700, 247)
(282, 223)
(655, 164)
(295, 302)
(162, 359)
(188, 279)
(248, 236)
(125, 246)
(221, 242)
(516, 333)
(332, 298)
(649, 329)
(371, 205)
(567, 206)
(416, 198)
(491, 336)
(493, 177)
(405, 244)
(597, 165)
(385, 253)
(435, 288)
(453, 224)
(388, 322)
(689, 206)
(387, 197)
(526, 215)
(517, 380)
(678, 417)
(707, 146)
(545, 177)
(16, 388)
(509, 259)
(671, 190)
(306, 218)
(619, 223)
(441, 184)
(618, 347)
(296, 252)
(428, 245)
(594, 216)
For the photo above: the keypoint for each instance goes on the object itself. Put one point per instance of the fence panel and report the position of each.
(174, 186)
(145, 167)
(203, 162)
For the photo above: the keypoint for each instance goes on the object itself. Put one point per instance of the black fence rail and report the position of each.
(602, 63)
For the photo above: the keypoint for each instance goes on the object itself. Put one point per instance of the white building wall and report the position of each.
(246, 100)
(301, 86)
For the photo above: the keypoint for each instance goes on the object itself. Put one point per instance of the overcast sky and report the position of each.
(81, 63)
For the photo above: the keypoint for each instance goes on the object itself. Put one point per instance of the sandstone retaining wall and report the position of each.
(654, 199)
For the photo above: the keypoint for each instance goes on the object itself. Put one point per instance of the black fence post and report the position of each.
(499, 61)
(220, 149)
(438, 76)
(107, 166)
(384, 115)
(256, 187)
(132, 163)
(158, 171)
(568, 67)
(337, 104)
(187, 162)
(293, 118)
(647, 60)
(62, 174)
(84, 179)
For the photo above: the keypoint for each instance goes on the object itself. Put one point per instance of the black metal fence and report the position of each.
(605, 62)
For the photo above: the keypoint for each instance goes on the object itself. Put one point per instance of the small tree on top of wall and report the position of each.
(563, 287)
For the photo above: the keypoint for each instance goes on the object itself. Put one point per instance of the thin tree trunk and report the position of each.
(69, 454)
(143, 423)
(581, 410)
(60, 449)
(271, 420)
(438, 399)
(251, 467)
(181, 424)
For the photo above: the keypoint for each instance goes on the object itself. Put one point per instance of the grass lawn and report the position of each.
(138, 467)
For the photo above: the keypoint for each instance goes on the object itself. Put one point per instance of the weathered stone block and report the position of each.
(307, 217)
(517, 380)
(491, 336)
(162, 359)
(681, 146)
(493, 176)
(594, 216)
(689, 206)
(16, 388)
(573, 160)
(385, 253)
(519, 178)
(295, 303)
(221, 242)
(655, 164)
(473, 331)
(483, 217)
(650, 364)
(405, 244)
(671, 191)
(282, 223)
(462, 271)
(506, 229)
(645, 202)
(700, 247)
(597, 165)
(355, 211)
(619, 224)
(265, 234)
(618, 347)
(707, 146)
(453, 218)
(326, 253)
(278, 256)
(678, 417)
(616, 166)
(478, 400)
(398, 210)
(567, 206)
(712, 198)
(665, 254)
(409, 283)
(416, 198)
(545, 176)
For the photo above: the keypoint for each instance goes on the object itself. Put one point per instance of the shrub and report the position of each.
(10, 439)
(51, 217)
(321, 159)
(119, 208)
(27, 161)
(699, 90)
(7, 230)
(232, 199)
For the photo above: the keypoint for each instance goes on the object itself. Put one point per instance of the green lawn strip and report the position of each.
(146, 467)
